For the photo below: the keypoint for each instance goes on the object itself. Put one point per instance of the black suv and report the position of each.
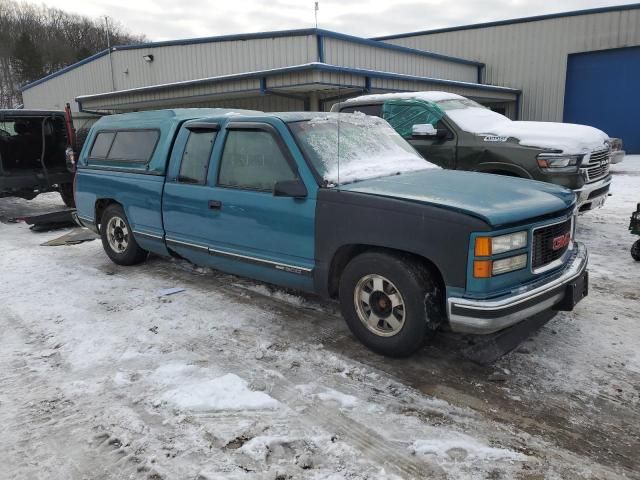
(33, 156)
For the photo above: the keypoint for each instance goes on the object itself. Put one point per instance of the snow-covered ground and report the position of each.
(101, 377)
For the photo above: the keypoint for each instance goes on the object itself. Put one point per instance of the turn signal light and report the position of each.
(482, 268)
(483, 247)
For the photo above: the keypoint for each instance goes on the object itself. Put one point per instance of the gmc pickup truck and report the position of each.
(455, 132)
(338, 205)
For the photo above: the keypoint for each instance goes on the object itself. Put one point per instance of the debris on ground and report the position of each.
(51, 221)
(74, 237)
(165, 292)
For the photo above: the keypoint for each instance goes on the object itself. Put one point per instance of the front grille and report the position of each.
(543, 243)
(597, 166)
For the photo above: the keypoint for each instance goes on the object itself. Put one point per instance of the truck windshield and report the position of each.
(350, 147)
(469, 115)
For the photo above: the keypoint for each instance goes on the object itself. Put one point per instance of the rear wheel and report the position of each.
(117, 238)
(66, 192)
(635, 251)
(390, 302)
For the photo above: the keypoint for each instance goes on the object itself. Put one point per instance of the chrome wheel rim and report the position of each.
(379, 305)
(117, 234)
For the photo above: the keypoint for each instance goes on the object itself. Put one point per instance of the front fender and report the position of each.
(437, 234)
(491, 167)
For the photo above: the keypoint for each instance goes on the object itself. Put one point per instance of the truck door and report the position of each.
(228, 216)
(402, 115)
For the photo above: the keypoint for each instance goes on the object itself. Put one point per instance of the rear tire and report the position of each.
(635, 251)
(66, 192)
(117, 238)
(390, 302)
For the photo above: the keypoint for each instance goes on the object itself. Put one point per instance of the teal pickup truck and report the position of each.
(338, 205)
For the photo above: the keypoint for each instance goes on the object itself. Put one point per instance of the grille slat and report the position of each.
(543, 252)
(598, 166)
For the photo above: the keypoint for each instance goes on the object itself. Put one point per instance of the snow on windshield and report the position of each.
(349, 147)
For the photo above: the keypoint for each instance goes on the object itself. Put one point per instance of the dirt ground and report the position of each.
(103, 377)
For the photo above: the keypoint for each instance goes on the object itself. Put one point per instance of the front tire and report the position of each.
(117, 238)
(635, 251)
(390, 302)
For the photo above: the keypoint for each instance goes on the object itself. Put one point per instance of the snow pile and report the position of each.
(431, 96)
(228, 392)
(342, 399)
(347, 147)
(195, 390)
(462, 447)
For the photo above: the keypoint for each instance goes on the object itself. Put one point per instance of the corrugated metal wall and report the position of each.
(93, 77)
(533, 56)
(171, 64)
(356, 55)
(188, 62)
(219, 57)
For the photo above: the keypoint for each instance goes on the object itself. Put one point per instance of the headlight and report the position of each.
(487, 246)
(554, 162)
(491, 268)
(509, 264)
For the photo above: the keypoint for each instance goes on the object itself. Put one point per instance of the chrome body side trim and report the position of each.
(186, 244)
(245, 258)
(148, 235)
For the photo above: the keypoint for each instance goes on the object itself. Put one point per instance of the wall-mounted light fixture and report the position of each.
(148, 58)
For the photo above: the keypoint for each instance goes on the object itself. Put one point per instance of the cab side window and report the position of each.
(195, 159)
(403, 117)
(253, 160)
(375, 110)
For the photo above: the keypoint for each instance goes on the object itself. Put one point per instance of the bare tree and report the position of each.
(36, 41)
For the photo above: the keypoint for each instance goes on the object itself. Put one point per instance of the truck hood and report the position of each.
(566, 137)
(495, 199)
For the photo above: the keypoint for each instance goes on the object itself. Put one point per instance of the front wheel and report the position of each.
(390, 302)
(117, 238)
(635, 251)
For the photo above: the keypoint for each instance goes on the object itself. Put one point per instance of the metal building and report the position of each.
(288, 70)
(580, 67)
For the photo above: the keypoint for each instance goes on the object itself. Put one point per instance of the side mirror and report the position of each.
(426, 130)
(290, 188)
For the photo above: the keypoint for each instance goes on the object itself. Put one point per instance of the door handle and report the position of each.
(215, 204)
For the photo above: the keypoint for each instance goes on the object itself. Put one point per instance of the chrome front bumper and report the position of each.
(593, 195)
(489, 316)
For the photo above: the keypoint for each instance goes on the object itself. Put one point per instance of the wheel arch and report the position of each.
(507, 169)
(346, 253)
(100, 206)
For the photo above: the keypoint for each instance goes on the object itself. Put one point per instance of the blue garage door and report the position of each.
(603, 90)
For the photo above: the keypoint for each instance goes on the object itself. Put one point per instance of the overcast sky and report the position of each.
(172, 19)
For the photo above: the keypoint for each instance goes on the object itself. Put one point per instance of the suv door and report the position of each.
(402, 115)
(236, 219)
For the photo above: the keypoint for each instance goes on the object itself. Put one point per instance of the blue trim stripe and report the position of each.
(221, 38)
(65, 70)
(537, 18)
(323, 67)
(320, 39)
(397, 48)
(295, 33)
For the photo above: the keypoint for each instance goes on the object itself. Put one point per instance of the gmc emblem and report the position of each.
(561, 241)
